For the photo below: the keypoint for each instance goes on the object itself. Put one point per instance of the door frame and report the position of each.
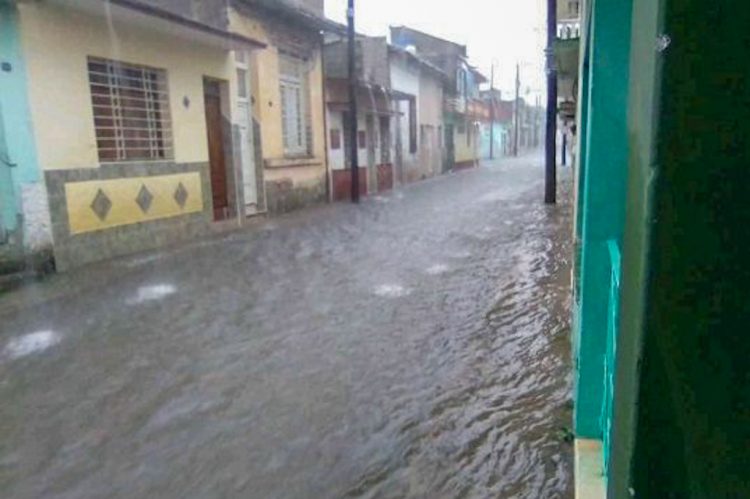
(219, 88)
(248, 165)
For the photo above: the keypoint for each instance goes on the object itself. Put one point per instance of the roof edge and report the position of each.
(166, 15)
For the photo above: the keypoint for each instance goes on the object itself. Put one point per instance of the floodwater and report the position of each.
(415, 346)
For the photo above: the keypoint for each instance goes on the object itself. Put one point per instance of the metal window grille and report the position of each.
(131, 111)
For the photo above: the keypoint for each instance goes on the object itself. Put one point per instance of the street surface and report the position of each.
(414, 346)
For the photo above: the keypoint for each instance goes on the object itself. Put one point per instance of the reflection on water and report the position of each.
(29, 344)
(413, 348)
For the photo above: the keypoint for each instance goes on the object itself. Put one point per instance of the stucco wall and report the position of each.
(466, 151)
(430, 100)
(430, 123)
(57, 42)
(336, 156)
(266, 94)
(405, 78)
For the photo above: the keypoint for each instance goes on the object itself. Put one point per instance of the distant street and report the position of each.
(413, 346)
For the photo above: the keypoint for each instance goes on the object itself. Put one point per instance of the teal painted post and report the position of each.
(602, 194)
(613, 321)
(584, 76)
(18, 161)
(7, 195)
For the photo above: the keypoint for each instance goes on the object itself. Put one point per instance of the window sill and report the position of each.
(136, 162)
(293, 162)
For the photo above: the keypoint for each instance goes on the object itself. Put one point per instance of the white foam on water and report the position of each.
(437, 269)
(30, 343)
(136, 262)
(498, 195)
(151, 293)
(392, 291)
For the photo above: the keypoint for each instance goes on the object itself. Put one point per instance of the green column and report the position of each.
(602, 196)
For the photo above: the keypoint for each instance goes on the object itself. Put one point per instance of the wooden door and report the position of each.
(216, 157)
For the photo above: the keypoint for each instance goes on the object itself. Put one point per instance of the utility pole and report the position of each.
(353, 103)
(550, 166)
(517, 106)
(492, 112)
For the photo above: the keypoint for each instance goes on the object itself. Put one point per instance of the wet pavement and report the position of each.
(415, 346)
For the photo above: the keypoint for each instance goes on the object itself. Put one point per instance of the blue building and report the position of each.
(24, 215)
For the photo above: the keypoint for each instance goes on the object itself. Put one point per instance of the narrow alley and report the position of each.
(412, 346)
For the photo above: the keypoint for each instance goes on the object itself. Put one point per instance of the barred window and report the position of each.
(131, 111)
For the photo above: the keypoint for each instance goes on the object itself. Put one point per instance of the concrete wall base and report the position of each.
(283, 196)
(589, 470)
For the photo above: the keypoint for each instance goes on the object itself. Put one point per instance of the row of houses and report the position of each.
(497, 125)
(126, 125)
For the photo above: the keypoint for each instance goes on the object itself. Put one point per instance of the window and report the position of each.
(362, 139)
(242, 83)
(294, 116)
(131, 111)
(412, 125)
(460, 82)
(335, 139)
(468, 134)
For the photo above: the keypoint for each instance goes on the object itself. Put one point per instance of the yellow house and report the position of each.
(137, 116)
(288, 97)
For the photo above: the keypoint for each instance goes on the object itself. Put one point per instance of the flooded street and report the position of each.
(415, 346)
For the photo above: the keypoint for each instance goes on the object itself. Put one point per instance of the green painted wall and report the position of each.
(682, 423)
(643, 95)
(19, 148)
(602, 191)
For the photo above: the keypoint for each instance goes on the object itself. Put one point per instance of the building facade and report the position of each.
(287, 98)
(399, 102)
(496, 123)
(129, 122)
(461, 104)
(375, 135)
(431, 124)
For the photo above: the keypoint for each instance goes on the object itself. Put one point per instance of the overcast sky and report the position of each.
(503, 31)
